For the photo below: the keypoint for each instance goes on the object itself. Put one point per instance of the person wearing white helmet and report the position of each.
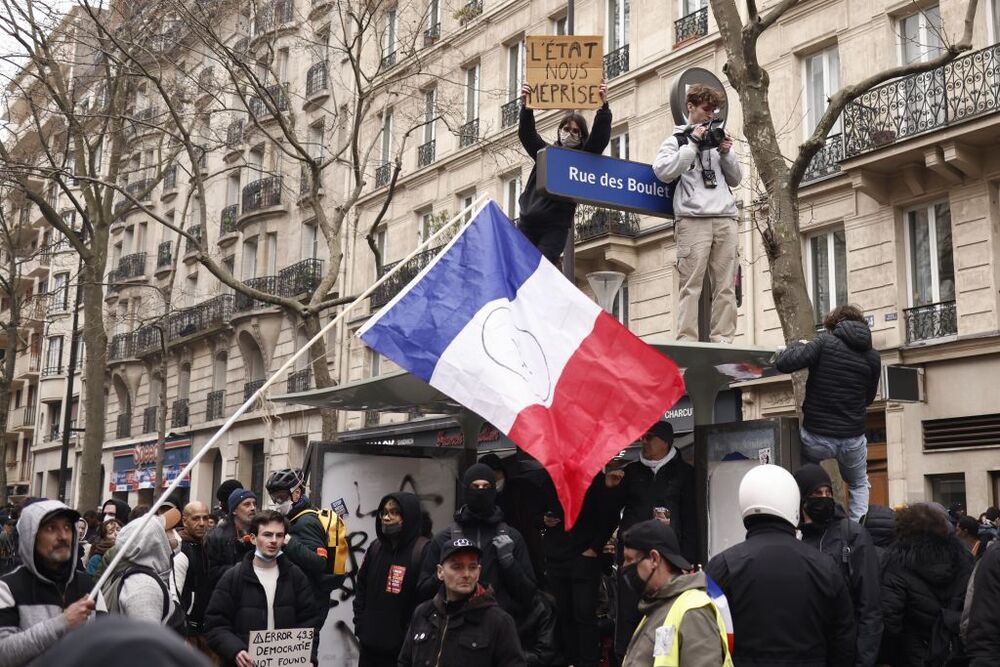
(789, 602)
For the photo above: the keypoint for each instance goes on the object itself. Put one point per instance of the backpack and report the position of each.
(172, 618)
(336, 539)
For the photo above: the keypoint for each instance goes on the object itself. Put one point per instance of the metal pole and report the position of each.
(569, 252)
(70, 377)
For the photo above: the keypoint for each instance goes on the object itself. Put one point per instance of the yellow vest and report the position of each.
(666, 648)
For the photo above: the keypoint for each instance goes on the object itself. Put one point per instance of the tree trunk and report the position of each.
(95, 342)
(10, 359)
(321, 371)
(161, 416)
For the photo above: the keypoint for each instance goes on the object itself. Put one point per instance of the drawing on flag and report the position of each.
(497, 328)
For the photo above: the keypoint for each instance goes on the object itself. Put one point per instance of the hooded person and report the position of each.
(506, 566)
(825, 526)
(116, 509)
(46, 596)
(385, 592)
(140, 585)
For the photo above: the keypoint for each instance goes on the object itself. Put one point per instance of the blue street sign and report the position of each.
(603, 181)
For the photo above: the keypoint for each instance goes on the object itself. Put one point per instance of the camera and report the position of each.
(715, 133)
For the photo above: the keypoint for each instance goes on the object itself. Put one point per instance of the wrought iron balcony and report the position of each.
(509, 112)
(234, 133)
(170, 179)
(262, 193)
(267, 284)
(227, 219)
(122, 346)
(273, 16)
(215, 404)
(691, 27)
(124, 426)
(316, 79)
(827, 161)
(180, 412)
(147, 340)
(142, 121)
(205, 316)
(389, 60)
(275, 98)
(131, 266)
(468, 134)
(964, 88)
(432, 34)
(616, 63)
(299, 381)
(149, 419)
(382, 175)
(594, 222)
(390, 288)
(164, 254)
(54, 369)
(197, 233)
(425, 153)
(935, 320)
(252, 386)
(300, 278)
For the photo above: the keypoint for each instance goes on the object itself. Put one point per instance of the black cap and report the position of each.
(655, 534)
(456, 545)
(810, 477)
(662, 430)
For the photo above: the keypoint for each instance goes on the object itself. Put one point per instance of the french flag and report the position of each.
(496, 327)
(722, 604)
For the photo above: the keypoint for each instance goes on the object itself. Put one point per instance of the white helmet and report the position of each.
(770, 489)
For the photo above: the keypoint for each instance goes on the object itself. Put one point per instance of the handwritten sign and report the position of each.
(564, 71)
(271, 648)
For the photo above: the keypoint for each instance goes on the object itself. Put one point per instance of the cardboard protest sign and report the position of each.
(270, 648)
(564, 71)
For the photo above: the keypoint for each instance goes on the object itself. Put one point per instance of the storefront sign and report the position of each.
(134, 468)
(489, 438)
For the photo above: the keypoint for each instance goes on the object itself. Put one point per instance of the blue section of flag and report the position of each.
(488, 260)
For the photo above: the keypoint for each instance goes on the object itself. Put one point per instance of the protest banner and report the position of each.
(271, 648)
(564, 71)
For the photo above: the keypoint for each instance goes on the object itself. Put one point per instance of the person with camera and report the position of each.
(699, 156)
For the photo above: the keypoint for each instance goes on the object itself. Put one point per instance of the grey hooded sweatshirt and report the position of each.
(32, 602)
(691, 198)
(140, 596)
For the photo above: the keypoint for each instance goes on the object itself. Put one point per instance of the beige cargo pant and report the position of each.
(706, 244)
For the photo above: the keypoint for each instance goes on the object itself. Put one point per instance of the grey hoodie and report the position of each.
(31, 604)
(691, 198)
(140, 596)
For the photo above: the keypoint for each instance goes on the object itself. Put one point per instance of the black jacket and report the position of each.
(843, 378)
(672, 487)
(535, 209)
(476, 633)
(593, 527)
(383, 605)
(197, 589)
(982, 643)
(513, 586)
(862, 573)
(307, 548)
(239, 605)
(789, 602)
(923, 590)
(224, 549)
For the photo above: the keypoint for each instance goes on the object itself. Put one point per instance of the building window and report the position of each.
(618, 146)
(618, 24)
(822, 77)
(947, 489)
(472, 93)
(465, 202)
(53, 358)
(559, 25)
(994, 21)
(827, 272)
(425, 226)
(386, 137)
(920, 35)
(511, 194)
(515, 70)
(620, 308)
(374, 363)
(310, 242)
(929, 255)
(381, 242)
(430, 111)
(60, 291)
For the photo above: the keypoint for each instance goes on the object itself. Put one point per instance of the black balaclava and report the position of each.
(481, 502)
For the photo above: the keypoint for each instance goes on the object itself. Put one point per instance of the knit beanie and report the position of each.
(238, 496)
(810, 477)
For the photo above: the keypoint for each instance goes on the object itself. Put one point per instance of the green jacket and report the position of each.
(305, 548)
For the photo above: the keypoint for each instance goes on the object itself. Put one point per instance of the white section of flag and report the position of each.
(511, 353)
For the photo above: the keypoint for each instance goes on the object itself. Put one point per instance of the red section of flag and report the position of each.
(611, 390)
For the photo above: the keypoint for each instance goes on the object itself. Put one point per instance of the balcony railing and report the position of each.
(316, 79)
(273, 16)
(267, 284)
(300, 278)
(53, 369)
(164, 254)
(141, 189)
(390, 288)
(275, 98)
(27, 415)
(215, 405)
(692, 26)
(593, 222)
(234, 133)
(509, 112)
(425, 153)
(149, 419)
(252, 386)
(382, 174)
(936, 320)
(122, 346)
(227, 219)
(132, 266)
(124, 426)
(147, 340)
(964, 88)
(262, 193)
(616, 63)
(197, 233)
(468, 134)
(389, 60)
(432, 34)
(179, 413)
(299, 381)
(827, 161)
(205, 316)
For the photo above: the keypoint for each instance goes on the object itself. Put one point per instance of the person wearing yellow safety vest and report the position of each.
(681, 626)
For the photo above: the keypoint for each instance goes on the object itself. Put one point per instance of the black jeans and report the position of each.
(372, 657)
(575, 587)
(549, 239)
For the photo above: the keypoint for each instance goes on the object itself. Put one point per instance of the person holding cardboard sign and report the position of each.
(547, 222)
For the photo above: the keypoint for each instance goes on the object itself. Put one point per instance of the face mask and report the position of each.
(269, 559)
(569, 140)
(481, 501)
(630, 573)
(284, 507)
(392, 529)
(500, 484)
(820, 510)
(108, 517)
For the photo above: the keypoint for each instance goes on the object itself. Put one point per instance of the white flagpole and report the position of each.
(120, 552)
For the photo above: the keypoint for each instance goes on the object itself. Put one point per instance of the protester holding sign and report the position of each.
(547, 222)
